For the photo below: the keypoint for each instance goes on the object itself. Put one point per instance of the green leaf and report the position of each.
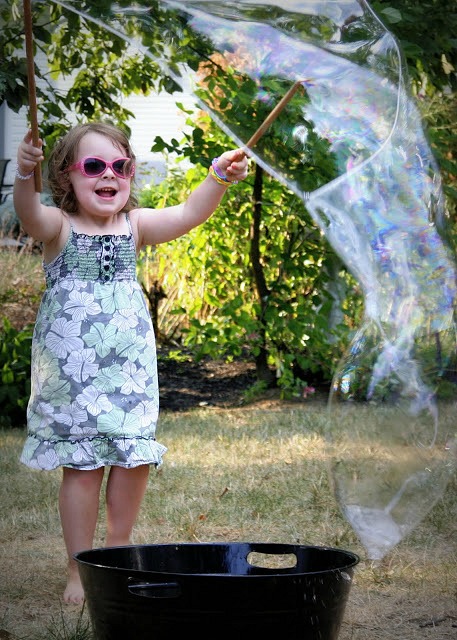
(392, 15)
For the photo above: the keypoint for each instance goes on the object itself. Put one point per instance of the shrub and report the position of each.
(15, 356)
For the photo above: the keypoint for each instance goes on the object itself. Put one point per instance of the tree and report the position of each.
(427, 34)
(102, 65)
(281, 315)
(426, 31)
(292, 357)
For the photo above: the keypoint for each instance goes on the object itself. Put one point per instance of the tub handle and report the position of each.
(283, 557)
(155, 589)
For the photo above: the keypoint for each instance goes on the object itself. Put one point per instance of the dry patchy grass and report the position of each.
(21, 284)
(254, 474)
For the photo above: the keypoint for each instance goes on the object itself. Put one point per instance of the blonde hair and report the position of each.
(63, 156)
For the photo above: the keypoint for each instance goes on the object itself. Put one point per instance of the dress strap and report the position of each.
(127, 217)
(72, 231)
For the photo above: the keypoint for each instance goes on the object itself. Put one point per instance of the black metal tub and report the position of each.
(213, 590)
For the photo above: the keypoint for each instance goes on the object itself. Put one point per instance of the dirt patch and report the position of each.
(187, 384)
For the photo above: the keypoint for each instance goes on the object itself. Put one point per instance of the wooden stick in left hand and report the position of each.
(31, 87)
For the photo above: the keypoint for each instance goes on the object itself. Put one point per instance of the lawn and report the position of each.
(257, 474)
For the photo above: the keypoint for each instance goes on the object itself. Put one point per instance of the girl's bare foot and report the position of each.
(74, 592)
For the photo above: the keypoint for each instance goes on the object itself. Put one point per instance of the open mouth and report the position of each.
(106, 192)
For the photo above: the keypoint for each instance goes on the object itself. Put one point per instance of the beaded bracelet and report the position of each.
(220, 179)
(21, 177)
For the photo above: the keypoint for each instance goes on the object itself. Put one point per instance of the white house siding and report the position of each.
(155, 115)
(12, 126)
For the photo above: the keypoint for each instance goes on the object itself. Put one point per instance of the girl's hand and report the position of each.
(233, 164)
(28, 156)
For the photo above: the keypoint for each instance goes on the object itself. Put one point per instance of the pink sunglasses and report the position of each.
(91, 167)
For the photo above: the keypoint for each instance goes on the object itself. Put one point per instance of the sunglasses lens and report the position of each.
(94, 166)
(120, 166)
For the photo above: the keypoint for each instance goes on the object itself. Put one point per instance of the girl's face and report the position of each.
(104, 195)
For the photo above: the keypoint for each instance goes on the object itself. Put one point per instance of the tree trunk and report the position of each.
(264, 373)
(154, 295)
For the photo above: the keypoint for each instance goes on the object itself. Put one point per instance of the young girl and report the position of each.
(94, 398)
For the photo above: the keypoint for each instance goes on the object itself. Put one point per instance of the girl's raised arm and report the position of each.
(163, 225)
(37, 220)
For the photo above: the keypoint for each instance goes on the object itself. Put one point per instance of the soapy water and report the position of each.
(379, 203)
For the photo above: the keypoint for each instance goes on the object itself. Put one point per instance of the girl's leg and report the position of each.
(125, 489)
(79, 499)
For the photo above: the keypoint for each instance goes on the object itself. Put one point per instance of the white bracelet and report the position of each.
(20, 176)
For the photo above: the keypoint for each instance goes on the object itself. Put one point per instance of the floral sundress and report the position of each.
(94, 390)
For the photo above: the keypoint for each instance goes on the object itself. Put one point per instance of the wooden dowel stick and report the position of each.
(31, 86)
(274, 114)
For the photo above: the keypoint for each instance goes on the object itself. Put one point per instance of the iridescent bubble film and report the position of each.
(374, 190)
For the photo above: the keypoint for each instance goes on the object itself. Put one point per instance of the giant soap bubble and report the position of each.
(380, 206)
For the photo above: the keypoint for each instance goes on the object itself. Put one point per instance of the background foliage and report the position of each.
(258, 280)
